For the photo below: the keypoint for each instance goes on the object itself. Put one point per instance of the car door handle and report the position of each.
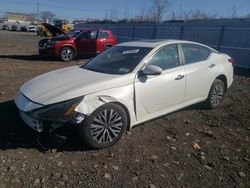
(179, 77)
(211, 66)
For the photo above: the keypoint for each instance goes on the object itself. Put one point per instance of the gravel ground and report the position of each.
(193, 147)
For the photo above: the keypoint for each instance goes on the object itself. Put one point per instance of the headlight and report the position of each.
(50, 45)
(62, 111)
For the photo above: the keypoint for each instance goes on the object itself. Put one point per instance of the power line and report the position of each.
(38, 11)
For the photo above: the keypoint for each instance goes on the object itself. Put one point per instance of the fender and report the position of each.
(89, 105)
(124, 93)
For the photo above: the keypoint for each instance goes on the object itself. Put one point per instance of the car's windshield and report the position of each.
(117, 60)
(74, 32)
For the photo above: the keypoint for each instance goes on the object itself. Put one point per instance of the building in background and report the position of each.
(19, 18)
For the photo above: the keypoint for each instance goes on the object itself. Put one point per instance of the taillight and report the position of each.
(231, 60)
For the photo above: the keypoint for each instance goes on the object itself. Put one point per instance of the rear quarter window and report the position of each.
(194, 53)
(103, 34)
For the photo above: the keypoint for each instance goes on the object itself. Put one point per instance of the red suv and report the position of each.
(77, 42)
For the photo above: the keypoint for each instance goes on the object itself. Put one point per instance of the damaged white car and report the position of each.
(129, 84)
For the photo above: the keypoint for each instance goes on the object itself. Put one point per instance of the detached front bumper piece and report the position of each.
(33, 123)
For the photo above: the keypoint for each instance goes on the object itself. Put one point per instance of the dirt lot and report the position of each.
(159, 153)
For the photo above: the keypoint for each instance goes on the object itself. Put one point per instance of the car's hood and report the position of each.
(68, 83)
(55, 31)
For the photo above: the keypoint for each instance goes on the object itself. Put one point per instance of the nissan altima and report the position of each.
(126, 85)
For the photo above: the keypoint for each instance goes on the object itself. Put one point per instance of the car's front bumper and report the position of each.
(47, 51)
(24, 105)
(39, 122)
(31, 122)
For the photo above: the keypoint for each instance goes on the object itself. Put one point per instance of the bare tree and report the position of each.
(47, 15)
(158, 9)
(143, 16)
(247, 16)
(233, 12)
(33, 17)
(154, 13)
(198, 14)
(125, 13)
(174, 16)
(195, 14)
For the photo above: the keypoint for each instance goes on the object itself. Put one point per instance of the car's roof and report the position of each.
(79, 28)
(152, 43)
(91, 29)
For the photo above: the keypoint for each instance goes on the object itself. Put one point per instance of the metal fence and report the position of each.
(227, 36)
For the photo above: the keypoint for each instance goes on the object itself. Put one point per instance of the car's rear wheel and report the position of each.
(216, 94)
(105, 126)
(67, 54)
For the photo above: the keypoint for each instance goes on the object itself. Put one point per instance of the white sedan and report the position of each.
(129, 84)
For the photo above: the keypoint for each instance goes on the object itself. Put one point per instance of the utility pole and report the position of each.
(106, 15)
(38, 11)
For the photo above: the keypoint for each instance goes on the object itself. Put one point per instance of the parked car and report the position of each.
(15, 27)
(67, 47)
(32, 28)
(5, 27)
(23, 28)
(128, 84)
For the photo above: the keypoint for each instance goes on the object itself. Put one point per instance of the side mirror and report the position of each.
(152, 70)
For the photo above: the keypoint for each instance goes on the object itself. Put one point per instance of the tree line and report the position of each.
(159, 11)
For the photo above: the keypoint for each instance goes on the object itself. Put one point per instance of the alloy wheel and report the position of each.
(106, 126)
(67, 54)
(217, 94)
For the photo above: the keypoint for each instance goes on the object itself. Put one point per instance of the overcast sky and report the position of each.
(123, 8)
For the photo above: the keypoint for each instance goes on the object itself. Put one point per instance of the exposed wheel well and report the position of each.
(107, 45)
(223, 78)
(127, 113)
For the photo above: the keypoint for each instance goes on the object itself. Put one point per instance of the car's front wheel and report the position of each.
(67, 54)
(216, 94)
(105, 126)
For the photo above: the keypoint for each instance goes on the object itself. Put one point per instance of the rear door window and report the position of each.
(194, 53)
(89, 34)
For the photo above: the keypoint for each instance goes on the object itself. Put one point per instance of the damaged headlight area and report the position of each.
(60, 112)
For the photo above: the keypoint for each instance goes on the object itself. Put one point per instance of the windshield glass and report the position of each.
(117, 60)
(62, 36)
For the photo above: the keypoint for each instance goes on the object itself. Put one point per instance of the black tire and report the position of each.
(110, 131)
(216, 94)
(107, 47)
(67, 54)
